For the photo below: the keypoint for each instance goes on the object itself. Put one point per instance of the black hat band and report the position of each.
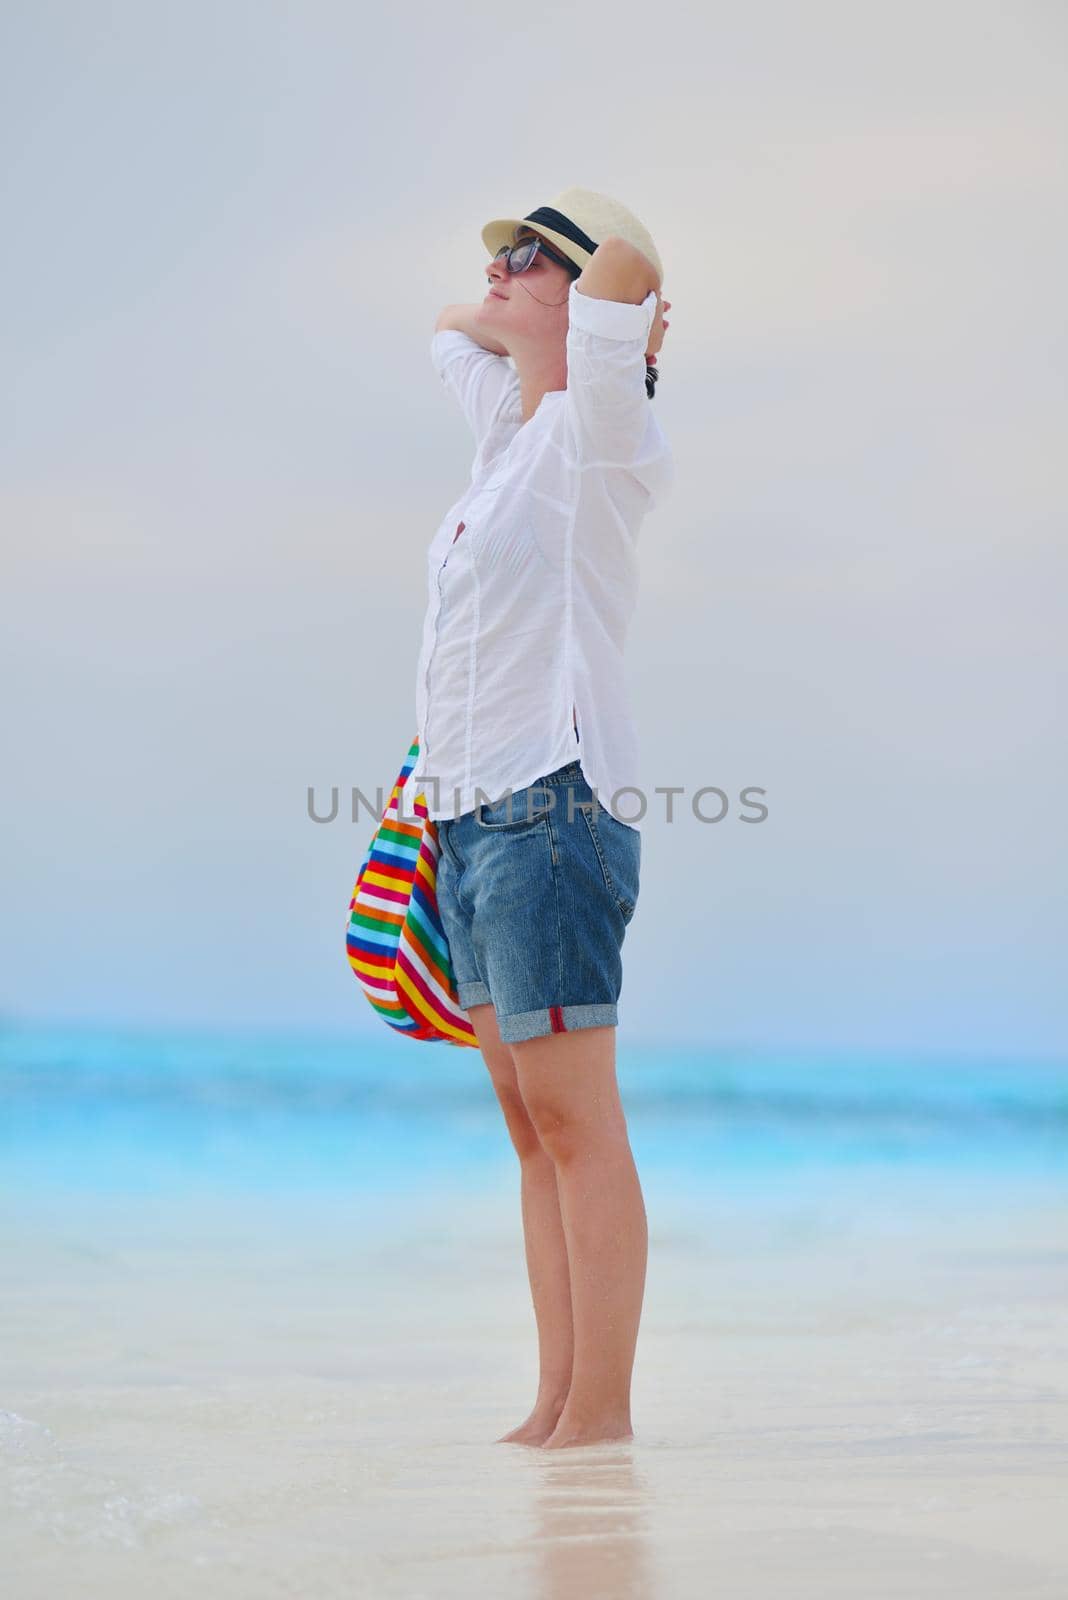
(546, 217)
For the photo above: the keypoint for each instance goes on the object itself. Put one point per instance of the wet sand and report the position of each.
(840, 1390)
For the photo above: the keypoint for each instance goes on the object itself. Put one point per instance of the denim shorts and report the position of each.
(535, 893)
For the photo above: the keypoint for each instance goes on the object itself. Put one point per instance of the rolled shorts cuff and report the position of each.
(472, 992)
(555, 1019)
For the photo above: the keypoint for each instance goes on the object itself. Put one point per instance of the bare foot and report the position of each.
(571, 1433)
(538, 1426)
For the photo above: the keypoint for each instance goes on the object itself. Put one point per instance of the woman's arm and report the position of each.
(618, 270)
(614, 306)
(464, 319)
(471, 366)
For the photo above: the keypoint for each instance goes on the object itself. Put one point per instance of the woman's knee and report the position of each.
(500, 1064)
(567, 1082)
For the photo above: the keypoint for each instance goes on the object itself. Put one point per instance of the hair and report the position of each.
(652, 371)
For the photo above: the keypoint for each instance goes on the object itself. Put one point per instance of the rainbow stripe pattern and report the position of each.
(394, 940)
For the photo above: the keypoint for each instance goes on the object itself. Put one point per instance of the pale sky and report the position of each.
(228, 232)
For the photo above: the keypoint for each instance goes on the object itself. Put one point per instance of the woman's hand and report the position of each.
(656, 332)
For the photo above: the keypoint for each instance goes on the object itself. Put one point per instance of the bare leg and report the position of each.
(543, 1234)
(568, 1085)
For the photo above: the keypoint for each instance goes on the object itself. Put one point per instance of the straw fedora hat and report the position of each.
(576, 221)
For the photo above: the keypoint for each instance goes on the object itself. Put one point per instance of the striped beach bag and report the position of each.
(395, 942)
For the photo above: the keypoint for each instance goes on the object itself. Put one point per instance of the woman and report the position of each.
(526, 740)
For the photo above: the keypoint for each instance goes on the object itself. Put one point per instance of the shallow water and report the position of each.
(266, 1313)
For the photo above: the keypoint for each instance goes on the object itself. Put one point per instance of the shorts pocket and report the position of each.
(619, 850)
(523, 808)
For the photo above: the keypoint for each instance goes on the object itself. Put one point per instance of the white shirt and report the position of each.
(528, 609)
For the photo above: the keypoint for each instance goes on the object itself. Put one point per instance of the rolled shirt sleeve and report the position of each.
(606, 345)
(482, 383)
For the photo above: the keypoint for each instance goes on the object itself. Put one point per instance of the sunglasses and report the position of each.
(521, 256)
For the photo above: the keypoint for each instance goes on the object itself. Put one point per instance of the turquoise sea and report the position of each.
(266, 1318)
(129, 1110)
